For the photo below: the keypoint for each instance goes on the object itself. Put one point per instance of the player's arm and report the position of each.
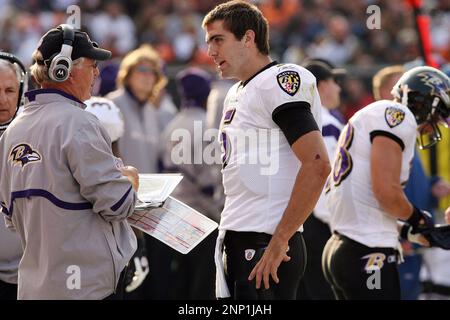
(306, 141)
(385, 169)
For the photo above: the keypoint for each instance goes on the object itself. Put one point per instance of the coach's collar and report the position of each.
(32, 95)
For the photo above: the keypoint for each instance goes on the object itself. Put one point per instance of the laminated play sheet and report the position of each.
(154, 189)
(174, 223)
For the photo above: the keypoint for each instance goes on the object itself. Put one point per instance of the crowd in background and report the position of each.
(330, 29)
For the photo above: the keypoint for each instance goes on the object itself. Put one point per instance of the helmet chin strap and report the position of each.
(405, 95)
(434, 106)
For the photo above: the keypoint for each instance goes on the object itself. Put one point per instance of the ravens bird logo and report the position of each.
(23, 154)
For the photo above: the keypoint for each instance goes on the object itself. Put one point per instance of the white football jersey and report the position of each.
(259, 166)
(109, 115)
(355, 212)
(331, 129)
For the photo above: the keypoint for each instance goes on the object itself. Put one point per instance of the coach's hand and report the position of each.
(275, 253)
(132, 174)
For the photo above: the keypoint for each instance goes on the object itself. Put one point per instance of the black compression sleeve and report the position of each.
(392, 136)
(294, 119)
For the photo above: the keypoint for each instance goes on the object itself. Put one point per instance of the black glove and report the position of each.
(420, 220)
(438, 236)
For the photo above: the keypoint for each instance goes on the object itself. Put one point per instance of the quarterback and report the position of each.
(263, 214)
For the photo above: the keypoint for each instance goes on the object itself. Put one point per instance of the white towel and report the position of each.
(221, 284)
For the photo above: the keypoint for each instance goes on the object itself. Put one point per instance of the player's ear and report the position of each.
(249, 37)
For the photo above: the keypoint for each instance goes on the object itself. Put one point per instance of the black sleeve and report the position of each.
(294, 119)
(375, 133)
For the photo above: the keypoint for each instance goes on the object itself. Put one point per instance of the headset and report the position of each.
(61, 62)
(22, 84)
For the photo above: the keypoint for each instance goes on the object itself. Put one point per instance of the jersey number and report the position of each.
(226, 148)
(343, 163)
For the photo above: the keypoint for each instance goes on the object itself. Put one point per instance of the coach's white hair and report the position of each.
(40, 71)
(6, 64)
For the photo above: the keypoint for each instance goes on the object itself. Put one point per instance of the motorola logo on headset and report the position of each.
(61, 63)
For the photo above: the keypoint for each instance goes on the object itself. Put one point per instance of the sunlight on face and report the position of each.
(9, 94)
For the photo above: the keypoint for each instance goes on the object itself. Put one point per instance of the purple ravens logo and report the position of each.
(23, 154)
(434, 83)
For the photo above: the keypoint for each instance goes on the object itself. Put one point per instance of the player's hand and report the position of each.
(419, 220)
(420, 239)
(416, 237)
(267, 266)
(132, 174)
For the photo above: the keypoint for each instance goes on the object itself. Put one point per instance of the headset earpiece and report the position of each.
(61, 63)
(22, 84)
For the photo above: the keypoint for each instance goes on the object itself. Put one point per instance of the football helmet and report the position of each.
(426, 92)
(109, 115)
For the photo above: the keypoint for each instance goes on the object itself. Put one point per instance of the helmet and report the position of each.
(109, 115)
(426, 92)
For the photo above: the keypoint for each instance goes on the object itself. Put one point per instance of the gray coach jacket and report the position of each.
(10, 253)
(62, 190)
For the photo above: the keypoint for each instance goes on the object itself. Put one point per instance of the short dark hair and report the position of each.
(239, 16)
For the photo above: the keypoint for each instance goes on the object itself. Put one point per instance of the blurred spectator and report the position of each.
(23, 35)
(338, 46)
(195, 273)
(196, 188)
(165, 107)
(113, 28)
(183, 29)
(331, 29)
(106, 81)
(214, 112)
(140, 81)
(355, 95)
(279, 12)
